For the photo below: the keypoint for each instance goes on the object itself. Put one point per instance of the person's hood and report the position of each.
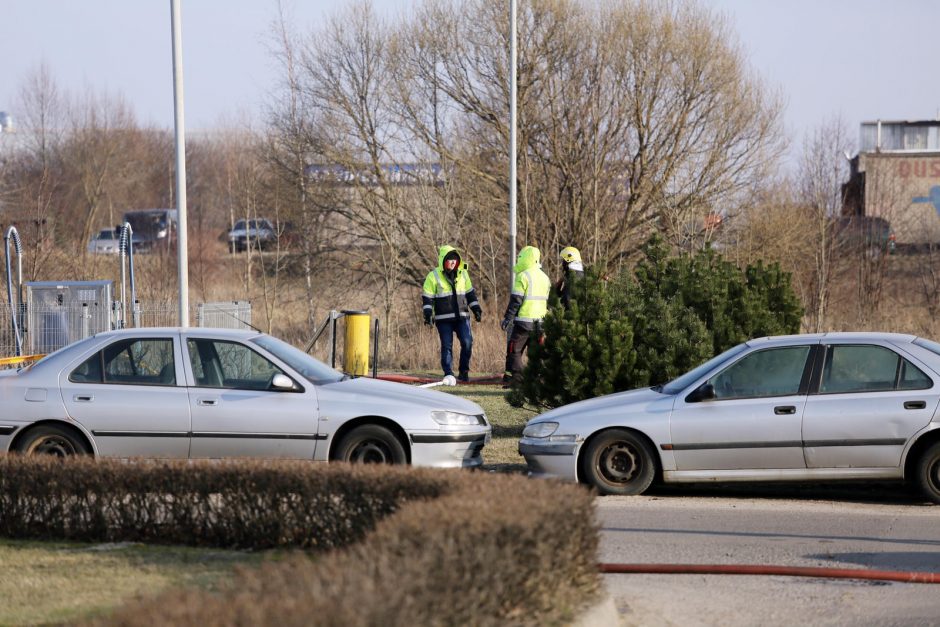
(443, 251)
(528, 258)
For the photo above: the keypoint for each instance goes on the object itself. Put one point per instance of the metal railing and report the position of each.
(45, 328)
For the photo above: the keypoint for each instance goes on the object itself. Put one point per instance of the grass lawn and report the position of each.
(61, 582)
(502, 452)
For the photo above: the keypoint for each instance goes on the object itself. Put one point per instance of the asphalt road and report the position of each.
(880, 527)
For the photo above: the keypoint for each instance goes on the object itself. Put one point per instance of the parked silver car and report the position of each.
(795, 408)
(210, 393)
(258, 233)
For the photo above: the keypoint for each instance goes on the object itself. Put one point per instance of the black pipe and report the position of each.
(375, 350)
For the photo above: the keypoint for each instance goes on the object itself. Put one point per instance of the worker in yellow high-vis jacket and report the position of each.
(448, 299)
(528, 304)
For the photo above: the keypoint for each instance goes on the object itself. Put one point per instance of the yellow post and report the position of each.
(356, 351)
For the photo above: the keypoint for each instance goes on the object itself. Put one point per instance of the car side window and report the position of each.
(232, 365)
(913, 378)
(771, 372)
(868, 368)
(130, 362)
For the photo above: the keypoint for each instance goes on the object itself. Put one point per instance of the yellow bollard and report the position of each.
(356, 351)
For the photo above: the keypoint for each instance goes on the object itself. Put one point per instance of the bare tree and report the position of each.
(823, 170)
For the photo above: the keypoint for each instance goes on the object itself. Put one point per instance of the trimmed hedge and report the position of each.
(421, 547)
(244, 504)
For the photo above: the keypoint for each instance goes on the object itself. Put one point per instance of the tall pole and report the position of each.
(512, 137)
(181, 242)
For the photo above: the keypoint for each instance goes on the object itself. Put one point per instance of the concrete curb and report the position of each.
(603, 613)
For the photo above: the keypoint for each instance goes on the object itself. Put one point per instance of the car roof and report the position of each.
(241, 334)
(835, 336)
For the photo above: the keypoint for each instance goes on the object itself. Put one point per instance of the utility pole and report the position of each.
(513, 53)
(182, 240)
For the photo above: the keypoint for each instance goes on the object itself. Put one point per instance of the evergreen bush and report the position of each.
(650, 325)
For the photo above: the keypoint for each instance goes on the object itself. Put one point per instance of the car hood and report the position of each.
(376, 390)
(621, 400)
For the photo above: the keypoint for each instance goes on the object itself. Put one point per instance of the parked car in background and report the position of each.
(257, 233)
(814, 407)
(213, 393)
(106, 242)
(154, 229)
(870, 235)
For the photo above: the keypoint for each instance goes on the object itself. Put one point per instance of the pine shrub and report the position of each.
(650, 325)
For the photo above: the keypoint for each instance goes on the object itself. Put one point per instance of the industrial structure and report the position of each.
(896, 176)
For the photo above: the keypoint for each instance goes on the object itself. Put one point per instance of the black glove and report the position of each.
(478, 314)
(506, 323)
(427, 317)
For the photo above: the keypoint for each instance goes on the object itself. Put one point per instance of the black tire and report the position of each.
(52, 440)
(619, 462)
(928, 473)
(371, 444)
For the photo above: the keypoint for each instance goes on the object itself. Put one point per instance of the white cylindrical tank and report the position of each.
(6, 122)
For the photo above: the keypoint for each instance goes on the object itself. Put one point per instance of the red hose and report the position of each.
(786, 571)
(411, 379)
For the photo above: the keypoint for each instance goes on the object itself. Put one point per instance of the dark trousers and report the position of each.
(446, 329)
(519, 339)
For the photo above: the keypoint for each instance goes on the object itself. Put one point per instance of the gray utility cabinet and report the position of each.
(61, 312)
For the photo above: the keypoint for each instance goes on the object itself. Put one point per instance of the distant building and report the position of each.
(896, 176)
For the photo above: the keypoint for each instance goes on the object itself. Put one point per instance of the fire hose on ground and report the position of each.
(781, 571)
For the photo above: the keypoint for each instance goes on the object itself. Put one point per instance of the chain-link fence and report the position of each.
(45, 327)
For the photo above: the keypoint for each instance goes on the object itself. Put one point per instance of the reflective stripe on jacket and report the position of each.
(533, 286)
(438, 295)
(446, 300)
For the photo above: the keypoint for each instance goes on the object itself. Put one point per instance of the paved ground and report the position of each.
(844, 527)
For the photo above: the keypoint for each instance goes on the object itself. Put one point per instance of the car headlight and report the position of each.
(540, 430)
(455, 418)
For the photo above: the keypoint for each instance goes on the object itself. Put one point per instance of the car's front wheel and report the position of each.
(52, 440)
(928, 473)
(371, 444)
(619, 462)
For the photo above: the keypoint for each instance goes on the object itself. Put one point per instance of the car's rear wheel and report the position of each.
(619, 462)
(928, 473)
(52, 440)
(371, 444)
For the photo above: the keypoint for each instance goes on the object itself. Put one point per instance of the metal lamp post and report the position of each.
(513, 53)
(181, 243)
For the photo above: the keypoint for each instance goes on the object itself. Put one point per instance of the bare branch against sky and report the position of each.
(857, 59)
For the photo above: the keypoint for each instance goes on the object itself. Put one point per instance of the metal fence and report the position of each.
(45, 327)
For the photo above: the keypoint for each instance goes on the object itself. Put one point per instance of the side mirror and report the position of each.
(704, 392)
(282, 382)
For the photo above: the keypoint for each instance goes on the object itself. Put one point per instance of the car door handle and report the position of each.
(208, 402)
(781, 410)
(83, 398)
(915, 404)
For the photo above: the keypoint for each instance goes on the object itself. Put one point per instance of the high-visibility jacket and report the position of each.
(449, 297)
(528, 302)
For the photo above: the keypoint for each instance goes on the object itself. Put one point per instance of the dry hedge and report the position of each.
(244, 504)
(421, 547)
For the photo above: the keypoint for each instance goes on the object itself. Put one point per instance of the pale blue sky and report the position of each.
(861, 59)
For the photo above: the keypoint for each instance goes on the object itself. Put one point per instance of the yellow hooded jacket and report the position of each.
(528, 302)
(447, 299)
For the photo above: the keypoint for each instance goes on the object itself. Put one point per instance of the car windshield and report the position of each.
(312, 369)
(677, 385)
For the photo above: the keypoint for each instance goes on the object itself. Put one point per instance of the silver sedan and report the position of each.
(796, 408)
(212, 393)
